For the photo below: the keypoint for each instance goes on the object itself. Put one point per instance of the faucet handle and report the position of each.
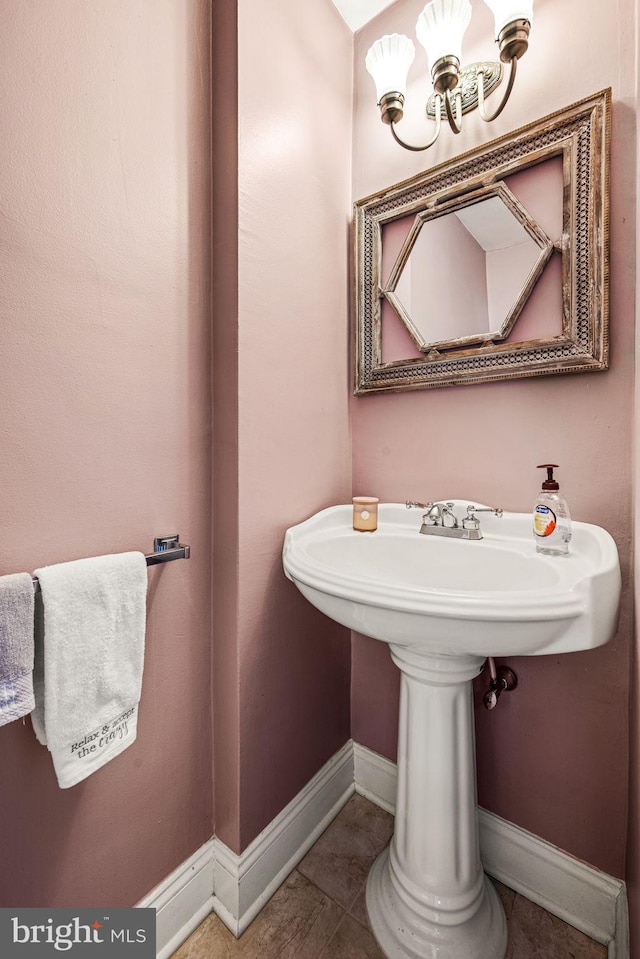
(497, 511)
(471, 521)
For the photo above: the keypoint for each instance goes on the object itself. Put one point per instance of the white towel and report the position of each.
(16, 646)
(90, 626)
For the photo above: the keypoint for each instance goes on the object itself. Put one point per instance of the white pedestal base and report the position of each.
(403, 934)
(427, 895)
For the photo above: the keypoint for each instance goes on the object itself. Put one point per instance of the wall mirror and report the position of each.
(491, 266)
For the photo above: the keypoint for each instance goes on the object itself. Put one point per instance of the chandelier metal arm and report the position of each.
(409, 146)
(455, 122)
(488, 117)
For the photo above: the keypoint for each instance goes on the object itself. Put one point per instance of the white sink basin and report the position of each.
(457, 596)
(443, 605)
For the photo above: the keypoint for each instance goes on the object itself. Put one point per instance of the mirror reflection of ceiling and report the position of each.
(496, 256)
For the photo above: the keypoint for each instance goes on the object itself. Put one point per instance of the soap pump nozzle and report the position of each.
(550, 482)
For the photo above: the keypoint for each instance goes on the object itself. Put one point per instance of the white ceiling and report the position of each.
(356, 13)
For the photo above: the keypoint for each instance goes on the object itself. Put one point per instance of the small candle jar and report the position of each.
(365, 514)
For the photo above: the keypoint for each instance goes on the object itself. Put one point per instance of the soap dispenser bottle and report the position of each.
(551, 519)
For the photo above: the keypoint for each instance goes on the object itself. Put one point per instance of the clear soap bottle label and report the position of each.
(544, 521)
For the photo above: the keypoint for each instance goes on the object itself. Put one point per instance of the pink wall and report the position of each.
(104, 307)
(633, 845)
(554, 757)
(225, 542)
(282, 693)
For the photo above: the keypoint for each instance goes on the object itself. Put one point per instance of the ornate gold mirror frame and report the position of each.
(579, 135)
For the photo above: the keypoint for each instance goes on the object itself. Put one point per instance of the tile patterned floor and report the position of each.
(319, 912)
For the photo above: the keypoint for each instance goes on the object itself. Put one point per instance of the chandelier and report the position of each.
(456, 90)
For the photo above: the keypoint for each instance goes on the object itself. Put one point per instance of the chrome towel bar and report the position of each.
(165, 550)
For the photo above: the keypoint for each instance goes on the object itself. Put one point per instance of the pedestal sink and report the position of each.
(443, 605)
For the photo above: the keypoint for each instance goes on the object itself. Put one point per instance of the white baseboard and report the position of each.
(570, 889)
(577, 893)
(375, 777)
(182, 900)
(243, 884)
(580, 895)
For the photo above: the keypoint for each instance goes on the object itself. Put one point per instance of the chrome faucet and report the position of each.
(440, 520)
(441, 515)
